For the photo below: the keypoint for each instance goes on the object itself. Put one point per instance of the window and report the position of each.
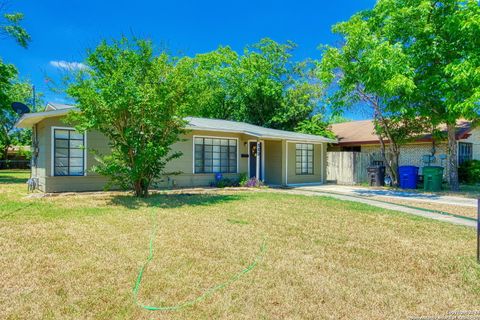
(464, 152)
(213, 155)
(352, 148)
(304, 158)
(69, 153)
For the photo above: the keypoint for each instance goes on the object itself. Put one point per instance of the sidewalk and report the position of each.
(405, 195)
(327, 192)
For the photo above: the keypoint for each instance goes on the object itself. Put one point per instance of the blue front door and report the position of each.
(254, 153)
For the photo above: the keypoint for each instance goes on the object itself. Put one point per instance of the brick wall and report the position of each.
(412, 154)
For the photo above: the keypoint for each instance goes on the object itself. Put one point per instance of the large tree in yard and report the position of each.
(11, 88)
(263, 85)
(442, 42)
(369, 70)
(133, 97)
(15, 91)
(213, 90)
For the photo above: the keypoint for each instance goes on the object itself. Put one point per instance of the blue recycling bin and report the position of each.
(408, 176)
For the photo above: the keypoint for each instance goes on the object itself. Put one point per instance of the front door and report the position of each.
(253, 154)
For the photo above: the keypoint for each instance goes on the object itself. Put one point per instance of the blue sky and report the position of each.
(62, 30)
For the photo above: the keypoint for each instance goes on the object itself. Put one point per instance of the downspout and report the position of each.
(33, 181)
(286, 163)
(257, 159)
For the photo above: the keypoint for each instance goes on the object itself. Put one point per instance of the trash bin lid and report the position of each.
(432, 169)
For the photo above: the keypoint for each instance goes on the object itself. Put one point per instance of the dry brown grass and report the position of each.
(78, 257)
(469, 212)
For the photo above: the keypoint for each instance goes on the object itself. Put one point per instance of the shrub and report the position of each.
(469, 172)
(224, 183)
(242, 179)
(252, 183)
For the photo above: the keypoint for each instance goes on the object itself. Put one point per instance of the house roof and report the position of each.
(17, 149)
(56, 110)
(51, 106)
(250, 129)
(363, 132)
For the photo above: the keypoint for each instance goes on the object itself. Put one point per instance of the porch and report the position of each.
(285, 162)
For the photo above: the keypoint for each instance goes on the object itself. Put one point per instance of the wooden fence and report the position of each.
(348, 168)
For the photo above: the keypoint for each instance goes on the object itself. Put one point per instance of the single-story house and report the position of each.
(360, 136)
(62, 161)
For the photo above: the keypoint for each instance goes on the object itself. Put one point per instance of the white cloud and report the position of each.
(61, 64)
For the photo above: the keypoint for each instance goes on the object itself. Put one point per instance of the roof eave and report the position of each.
(29, 119)
(260, 136)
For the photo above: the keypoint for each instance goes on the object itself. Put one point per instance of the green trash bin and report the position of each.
(432, 178)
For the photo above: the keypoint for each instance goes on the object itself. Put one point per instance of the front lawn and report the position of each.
(78, 256)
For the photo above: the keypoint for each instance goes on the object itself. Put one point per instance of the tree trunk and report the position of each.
(145, 191)
(452, 158)
(391, 162)
(140, 188)
(137, 188)
(394, 154)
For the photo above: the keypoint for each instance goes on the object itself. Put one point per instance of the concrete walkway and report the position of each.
(397, 194)
(309, 191)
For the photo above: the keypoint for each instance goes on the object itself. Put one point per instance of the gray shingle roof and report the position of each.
(250, 129)
(57, 109)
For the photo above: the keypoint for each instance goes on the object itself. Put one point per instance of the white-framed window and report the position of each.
(304, 158)
(215, 155)
(464, 152)
(68, 152)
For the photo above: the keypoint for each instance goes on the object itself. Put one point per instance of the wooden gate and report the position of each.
(347, 167)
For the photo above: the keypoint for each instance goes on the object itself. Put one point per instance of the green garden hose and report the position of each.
(199, 298)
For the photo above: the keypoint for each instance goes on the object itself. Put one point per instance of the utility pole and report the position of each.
(34, 98)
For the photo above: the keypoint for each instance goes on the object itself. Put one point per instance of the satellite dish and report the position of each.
(20, 108)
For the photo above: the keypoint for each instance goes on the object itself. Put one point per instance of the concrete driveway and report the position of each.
(396, 194)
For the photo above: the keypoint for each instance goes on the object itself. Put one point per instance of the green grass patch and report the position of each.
(78, 256)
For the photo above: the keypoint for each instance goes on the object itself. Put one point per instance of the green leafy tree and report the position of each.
(11, 26)
(338, 118)
(8, 73)
(213, 89)
(441, 40)
(262, 86)
(134, 98)
(9, 135)
(11, 89)
(370, 70)
(315, 125)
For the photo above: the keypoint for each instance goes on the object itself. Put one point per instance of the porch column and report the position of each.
(284, 161)
(259, 154)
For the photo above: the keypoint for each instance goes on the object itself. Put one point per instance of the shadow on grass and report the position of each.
(11, 212)
(11, 179)
(173, 200)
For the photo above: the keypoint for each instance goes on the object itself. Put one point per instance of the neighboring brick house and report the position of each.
(359, 136)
